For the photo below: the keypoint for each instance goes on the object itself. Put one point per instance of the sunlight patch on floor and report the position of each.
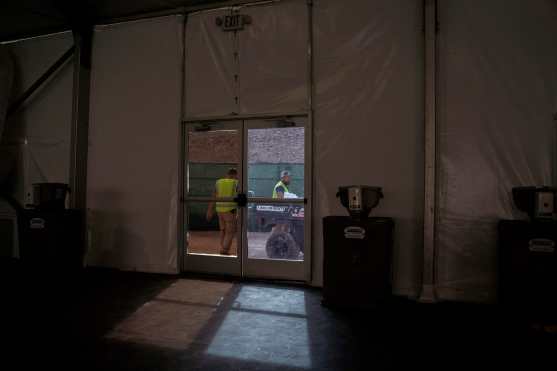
(265, 325)
(175, 317)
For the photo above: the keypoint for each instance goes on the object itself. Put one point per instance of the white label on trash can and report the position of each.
(541, 245)
(37, 223)
(354, 232)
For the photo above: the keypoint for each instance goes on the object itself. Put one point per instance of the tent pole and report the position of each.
(428, 294)
(80, 117)
(310, 99)
(182, 229)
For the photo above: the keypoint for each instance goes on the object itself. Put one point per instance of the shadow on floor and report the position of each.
(107, 320)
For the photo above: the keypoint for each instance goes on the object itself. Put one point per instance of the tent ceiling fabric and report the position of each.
(27, 18)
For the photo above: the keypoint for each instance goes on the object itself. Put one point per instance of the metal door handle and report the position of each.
(241, 199)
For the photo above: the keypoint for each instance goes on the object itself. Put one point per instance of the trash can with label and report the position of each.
(527, 274)
(357, 261)
(52, 240)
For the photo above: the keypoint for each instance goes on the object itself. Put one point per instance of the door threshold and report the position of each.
(235, 279)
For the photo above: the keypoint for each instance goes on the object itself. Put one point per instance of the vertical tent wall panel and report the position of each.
(6, 81)
(134, 145)
(40, 132)
(7, 69)
(369, 119)
(273, 59)
(8, 223)
(497, 96)
(210, 67)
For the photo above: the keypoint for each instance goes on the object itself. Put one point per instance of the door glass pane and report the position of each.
(216, 234)
(211, 153)
(275, 231)
(273, 152)
(213, 170)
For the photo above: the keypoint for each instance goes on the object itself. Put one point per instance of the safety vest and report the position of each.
(226, 188)
(279, 184)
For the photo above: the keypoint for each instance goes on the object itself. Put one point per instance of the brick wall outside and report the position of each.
(271, 146)
(214, 147)
(276, 146)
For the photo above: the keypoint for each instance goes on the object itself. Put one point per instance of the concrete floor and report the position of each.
(107, 320)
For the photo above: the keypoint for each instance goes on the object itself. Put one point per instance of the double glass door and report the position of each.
(246, 198)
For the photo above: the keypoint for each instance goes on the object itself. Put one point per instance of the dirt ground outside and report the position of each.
(208, 242)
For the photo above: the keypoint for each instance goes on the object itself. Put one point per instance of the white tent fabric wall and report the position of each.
(369, 119)
(134, 141)
(40, 133)
(497, 96)
(210, 88)
(8, 244)
(264, 66)
(7, 68)
(273, 59)
(6, 81)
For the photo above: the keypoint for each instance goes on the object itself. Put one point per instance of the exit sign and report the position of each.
(234, 22)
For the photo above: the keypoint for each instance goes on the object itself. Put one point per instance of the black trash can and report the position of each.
(357, 261)
(52, 241)
(527, 274)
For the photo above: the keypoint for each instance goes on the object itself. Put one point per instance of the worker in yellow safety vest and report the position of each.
(282, 185)
(226, 211)
(280, 189)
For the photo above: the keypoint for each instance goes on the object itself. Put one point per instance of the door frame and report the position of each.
(222, 265)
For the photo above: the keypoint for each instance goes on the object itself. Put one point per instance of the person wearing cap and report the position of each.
(282, 185)
(226, 211)
(280, 189)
